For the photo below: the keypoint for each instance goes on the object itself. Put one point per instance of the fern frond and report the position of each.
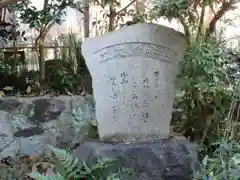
(122, 174)
(96, 170)
(38, 176)
(67, 165)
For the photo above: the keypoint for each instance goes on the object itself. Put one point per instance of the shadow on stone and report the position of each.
(169, 159)
(29, 132)
(9, 104)
(47, 110)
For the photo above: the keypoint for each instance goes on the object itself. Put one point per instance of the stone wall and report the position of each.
(27, 125)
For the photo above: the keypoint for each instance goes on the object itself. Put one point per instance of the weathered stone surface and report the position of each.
(170, 159)
(27, 125)
(9, 104)
(47, 109)
(133, 79)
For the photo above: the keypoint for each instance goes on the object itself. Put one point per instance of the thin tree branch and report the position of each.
(77, 7)
(226, 5)
(5, 3)
(45, 4)
(42, 34)
(6, 146)
(127, 6)
(185, 27)
(80, 10)
(200, 25)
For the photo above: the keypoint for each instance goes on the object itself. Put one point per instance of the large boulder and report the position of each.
(169, 159)
(28, 125)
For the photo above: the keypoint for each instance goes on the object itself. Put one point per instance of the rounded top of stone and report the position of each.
(142, 32)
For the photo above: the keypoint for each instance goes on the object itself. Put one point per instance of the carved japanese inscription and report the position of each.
(133, 71)
(136, 49)
(137, 92)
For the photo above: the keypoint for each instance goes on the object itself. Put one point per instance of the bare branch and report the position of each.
(226, 5)
(5, 3)
(127, 6)
(80, 10)
(186, 28)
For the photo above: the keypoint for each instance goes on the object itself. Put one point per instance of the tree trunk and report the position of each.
(86, 18)
(39, 43)
(41, 59)
(112, 15)
(14, 32)
(226, 6)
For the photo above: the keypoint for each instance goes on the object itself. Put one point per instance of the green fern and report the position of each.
(69, 167)
(122, 174)
(38, 176)
(66, 166)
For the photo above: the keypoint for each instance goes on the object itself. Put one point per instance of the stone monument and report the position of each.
(134, 71)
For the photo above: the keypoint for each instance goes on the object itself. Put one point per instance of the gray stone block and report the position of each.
(28, 125)
(170, 159)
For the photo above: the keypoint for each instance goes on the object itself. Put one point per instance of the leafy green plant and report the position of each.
(60, 75)
(42, 21)
(69, 167)
(223, 165)
(192, 14)
(70, 73)
(6, 68)
(206, 89)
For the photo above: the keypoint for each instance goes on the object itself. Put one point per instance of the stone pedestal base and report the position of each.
(169, 159)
